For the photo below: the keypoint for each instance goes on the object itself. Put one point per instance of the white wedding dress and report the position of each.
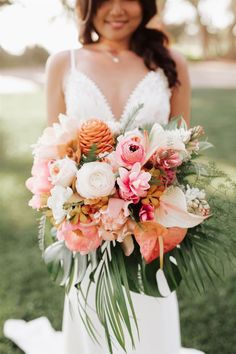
(158, 318)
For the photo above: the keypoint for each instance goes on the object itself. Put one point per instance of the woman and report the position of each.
(122, 63)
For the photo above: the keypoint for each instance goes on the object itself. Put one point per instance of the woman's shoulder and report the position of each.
(179, 59)
(58, 62)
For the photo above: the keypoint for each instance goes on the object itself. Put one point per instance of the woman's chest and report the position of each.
(116, 81)
(114, 98)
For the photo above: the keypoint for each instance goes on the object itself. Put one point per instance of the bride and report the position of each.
(123, 62)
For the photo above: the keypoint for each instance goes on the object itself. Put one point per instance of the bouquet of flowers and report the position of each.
(123, 208)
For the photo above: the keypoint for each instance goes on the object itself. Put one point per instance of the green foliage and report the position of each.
(91, 156)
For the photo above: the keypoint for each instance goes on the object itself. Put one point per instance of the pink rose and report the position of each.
(133, 184)
(83, 238)
(129, 151)
(39, 182)
(146, 213)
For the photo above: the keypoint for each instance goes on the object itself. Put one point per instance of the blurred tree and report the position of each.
(5, 2)
(204, 33)
(176, 31)
(232, 32)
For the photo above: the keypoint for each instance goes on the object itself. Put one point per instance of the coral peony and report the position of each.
(96, 132)
(81, 238)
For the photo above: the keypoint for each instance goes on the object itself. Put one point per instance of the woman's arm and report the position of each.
(181, 94)
(55, 70)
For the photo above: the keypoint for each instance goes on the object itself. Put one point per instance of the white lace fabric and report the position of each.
(85, 100)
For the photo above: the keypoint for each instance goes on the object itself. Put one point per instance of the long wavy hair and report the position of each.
(149, 44)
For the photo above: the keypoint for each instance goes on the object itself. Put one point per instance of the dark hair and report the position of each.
(150, 44)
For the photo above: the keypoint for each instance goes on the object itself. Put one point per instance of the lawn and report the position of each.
(208, 321)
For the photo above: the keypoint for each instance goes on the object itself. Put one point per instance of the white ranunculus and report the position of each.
(95, 180)
(59, 196)
(62, 172)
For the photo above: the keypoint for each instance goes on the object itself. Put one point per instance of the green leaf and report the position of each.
(204, 145)
(176, 122)
(58, 259)
(91, 156)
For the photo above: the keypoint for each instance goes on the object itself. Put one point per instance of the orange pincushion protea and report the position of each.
(96, 132)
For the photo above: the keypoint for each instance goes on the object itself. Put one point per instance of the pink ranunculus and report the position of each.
(83, 238)
(133, 184)
(129, 151)
(39, 182)
(146, 213)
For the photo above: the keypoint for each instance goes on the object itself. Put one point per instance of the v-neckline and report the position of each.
(104, 98)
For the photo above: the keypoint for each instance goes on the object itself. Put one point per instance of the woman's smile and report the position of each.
(116, 24)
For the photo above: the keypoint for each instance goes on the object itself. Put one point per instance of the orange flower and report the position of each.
(155, 240)
(153, 196)
(96, 132)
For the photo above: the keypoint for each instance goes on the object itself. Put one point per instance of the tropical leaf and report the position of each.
(58, 259)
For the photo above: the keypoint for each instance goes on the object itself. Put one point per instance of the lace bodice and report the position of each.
(85, 100)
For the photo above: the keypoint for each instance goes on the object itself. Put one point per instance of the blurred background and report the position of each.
(30, 30)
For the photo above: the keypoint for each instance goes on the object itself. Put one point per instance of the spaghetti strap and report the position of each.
(72, 59)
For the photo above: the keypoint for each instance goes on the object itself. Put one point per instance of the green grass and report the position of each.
(208, 321)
